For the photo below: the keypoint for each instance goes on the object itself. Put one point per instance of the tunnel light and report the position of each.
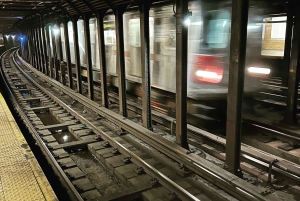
(55, 30)
(7, 36)
(13, 37)
(259, 70)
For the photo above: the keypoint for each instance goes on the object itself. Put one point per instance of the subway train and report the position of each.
(208, 47)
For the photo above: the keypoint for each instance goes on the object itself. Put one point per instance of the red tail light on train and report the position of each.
(207, 68)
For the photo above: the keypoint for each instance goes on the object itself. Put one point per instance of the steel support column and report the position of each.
(58, 42)
(22, 46)
(87, 39)
(59, 51)
(50, 72)
(102, 56)
(68, 55)
(29, 45)
(26, 45)
(44, 46)
(236, 84)
(38, 51)
(181, 72)
(77, 55)
(121, 60)
(293, 81)
(287, 48)
(54, 54)
(34, 62)
(145, 64)
(40, 46)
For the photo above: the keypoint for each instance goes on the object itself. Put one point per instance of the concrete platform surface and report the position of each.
(21, 177)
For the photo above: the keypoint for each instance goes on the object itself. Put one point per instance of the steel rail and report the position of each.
(218, 176)
(280, 133)
(248, 154)
(72, 190)
(163, 179)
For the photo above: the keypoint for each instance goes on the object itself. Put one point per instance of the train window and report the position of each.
(1, 40)
(81, 42)
(218, 29)
(134, 32)
(110, 37)
(110, 43)
(273, 36)
(109, 32)
(278, 28)
(97, 58)
(92, 24)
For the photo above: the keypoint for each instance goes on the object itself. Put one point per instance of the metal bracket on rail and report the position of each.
(115, 151)
(90, 131)
(269, 176)
(170, 196)
(153, 181)
(99, 118)
(73, 102)
(121, 131)
(172, 122)
(98, 138)
(183, 170)
(105, 144)
(138, 170)
(126, 159)
(270, 170)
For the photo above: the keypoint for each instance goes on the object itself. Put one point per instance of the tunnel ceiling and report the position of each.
(17, 13)
(12, 11)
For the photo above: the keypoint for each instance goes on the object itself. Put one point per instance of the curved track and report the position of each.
(93, 134)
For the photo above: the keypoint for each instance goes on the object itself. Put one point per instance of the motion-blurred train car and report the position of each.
(208, 47)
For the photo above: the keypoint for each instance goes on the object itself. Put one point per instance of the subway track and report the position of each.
(280, 168)
(96, 139)
(270, 148)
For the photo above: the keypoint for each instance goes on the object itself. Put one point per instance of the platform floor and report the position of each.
(21, 177)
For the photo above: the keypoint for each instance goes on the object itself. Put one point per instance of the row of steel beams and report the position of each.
(50, 61)
(236, 70)
(236, 75)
